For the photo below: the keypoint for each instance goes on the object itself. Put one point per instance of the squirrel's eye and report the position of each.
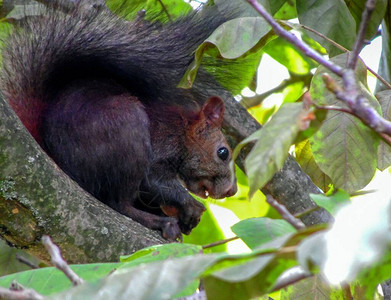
(223, 153)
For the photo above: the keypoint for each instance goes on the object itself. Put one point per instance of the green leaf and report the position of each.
(8, 261)
(206, 232)
(164, 252)
(357, 7)
(245, 209)
(160, 252)
(385, 58)
(273, 142)
(272, 6)
(233, 75)
(333, 202)
(26, 10)
(305, 158)
(317, 118)
(164, 279)
(230, 40)
(370, 278)
(294, 91)
(239, 203)
(154, 10)
(384, 150)
(287, 55)
(47, 281)
(257, 231)
(287, 11)
(315, 287)
(255, 277)
(344, 148)
(331, 18)
(157, 280)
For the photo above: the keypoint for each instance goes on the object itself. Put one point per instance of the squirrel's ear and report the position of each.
(213, 110)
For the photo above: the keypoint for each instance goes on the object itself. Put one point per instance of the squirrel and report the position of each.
(99, 94)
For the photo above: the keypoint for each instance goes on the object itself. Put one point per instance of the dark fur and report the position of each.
(99, 94)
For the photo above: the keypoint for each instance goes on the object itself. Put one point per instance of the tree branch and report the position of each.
(366, 15)
(342, 48)
(290, 37)
(19, 294)
(249, 102)
(357, 103)
(218, 243)
(351, 94)
(292, 276)
(59, 262)
(25, 261)
(285, 214)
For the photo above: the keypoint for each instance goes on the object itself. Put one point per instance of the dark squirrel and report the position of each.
(99, 95)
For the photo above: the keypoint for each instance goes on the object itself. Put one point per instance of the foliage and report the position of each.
(338, 152)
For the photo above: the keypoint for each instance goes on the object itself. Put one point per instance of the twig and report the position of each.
(248, 102)
(342, 48)
(19, 294)
(16, 286)
(198, 295)
(165, 10)
(335, 108)
(59, 262)
(334, 43)
(306, 212)
(290, 37)
(25, 261)
(68, 6)
(384, 136)
(218, 243)
(285, 214)
(292, 276)
(347, 291)
(358, 104)
(366, 15)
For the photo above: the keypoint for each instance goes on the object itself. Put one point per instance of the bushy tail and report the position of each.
(48, 52)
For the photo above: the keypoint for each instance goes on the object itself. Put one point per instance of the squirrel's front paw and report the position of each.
(171, 230)
(188, 215)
